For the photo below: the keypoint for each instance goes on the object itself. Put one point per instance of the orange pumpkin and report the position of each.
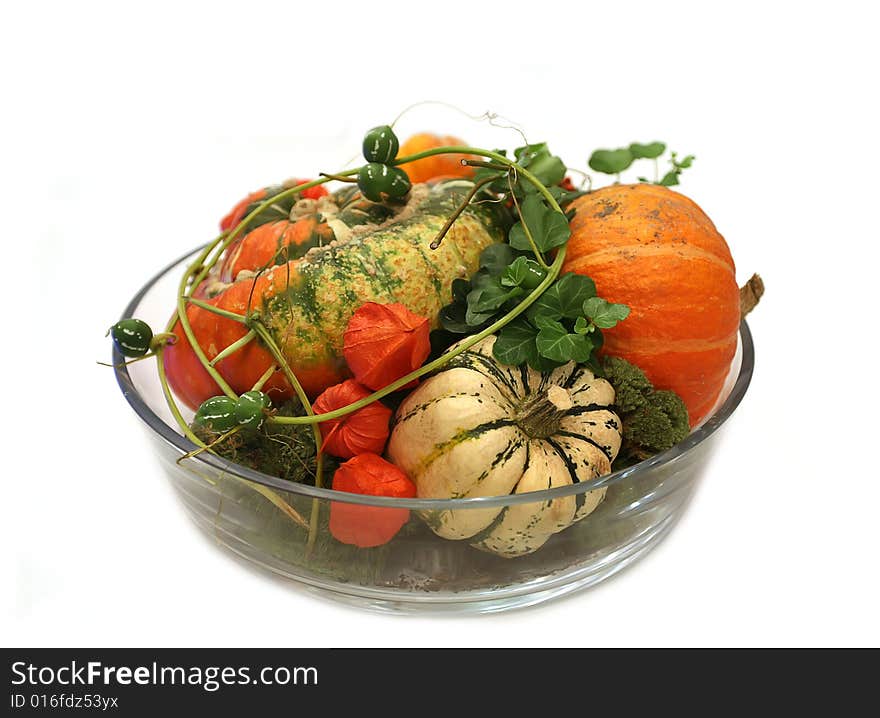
(430, 168)
(273, 243)
(656, 251)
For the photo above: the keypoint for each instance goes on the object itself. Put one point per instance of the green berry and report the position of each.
(399, 184)
(378, 182)
(381, 145)
(132, 337)
(250, 409)
(534, 276)
(217, 414)
(371, 179)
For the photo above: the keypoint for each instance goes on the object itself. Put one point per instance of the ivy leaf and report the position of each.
(532, 211)
(651, 151)
(555, 343)
(453, 318)
(490, 297)
(605, 314)
(611, 162)
(582, 326)
(545, 322)
(482, 279)
(525, 154)
(460, 289)
(495, 258)
(515, 274)
(474, 320)
(564, 298)
(556, 231)
(524, 272)
(549, 228)
(537, 159)
(483, 173)
(515, 344)
(549, 170)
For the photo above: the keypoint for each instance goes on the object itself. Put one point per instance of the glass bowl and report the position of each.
(261, 517)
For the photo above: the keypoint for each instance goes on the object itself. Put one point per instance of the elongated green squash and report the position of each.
(379, 255)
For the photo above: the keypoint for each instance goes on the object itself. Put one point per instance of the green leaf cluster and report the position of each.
(563, 325)
(504, 277)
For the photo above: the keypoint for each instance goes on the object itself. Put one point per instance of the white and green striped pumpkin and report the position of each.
(479, 428)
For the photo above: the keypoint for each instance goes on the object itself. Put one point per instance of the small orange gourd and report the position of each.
(657, 251)
(438, 166)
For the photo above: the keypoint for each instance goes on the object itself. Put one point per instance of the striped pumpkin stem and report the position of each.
(540, 416)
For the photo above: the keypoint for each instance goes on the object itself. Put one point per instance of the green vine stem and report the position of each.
(205, 447)
(127, 362)
(216, 310)
(172, 404)
(234, 347)
(338, 178)
(461, 208)
(264, 334)
(525, 226)
(261, 382)
(196, 347)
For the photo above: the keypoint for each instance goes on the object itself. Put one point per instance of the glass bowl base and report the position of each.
(494, 600)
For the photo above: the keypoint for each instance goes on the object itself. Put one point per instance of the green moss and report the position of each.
(653, 420)
(631, 386)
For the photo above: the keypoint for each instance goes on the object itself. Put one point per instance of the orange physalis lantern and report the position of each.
(384, 342)
(368, 526)
(365, 430)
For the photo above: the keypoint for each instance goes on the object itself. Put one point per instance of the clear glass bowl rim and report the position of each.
(184, 445)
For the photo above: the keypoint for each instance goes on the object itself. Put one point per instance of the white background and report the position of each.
(129, 129)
